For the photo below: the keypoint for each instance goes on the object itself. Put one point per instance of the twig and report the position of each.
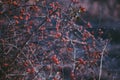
(16, 74)
(74, 55)
(101, 63)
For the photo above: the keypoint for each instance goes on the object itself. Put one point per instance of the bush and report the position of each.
(40, 40)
